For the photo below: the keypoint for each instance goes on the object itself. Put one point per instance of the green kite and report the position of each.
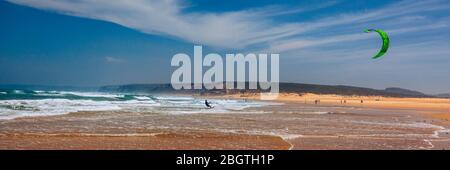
(385, 39)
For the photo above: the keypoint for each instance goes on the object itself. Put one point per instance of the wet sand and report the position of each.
(163, 141)
(292, 125)
(98, 130)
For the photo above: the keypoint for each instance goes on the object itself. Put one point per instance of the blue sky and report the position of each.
(93, 43)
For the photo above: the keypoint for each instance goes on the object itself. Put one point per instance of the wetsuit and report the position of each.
(207, 104)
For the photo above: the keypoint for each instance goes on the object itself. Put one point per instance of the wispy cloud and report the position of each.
(165, 17)
(398, 18)
(240, 29)
(299, 44)
(114, 60)
(280, 10)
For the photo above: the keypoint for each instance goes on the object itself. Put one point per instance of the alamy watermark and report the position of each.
(213, 78)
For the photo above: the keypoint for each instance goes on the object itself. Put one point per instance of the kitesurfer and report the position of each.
(208, 104)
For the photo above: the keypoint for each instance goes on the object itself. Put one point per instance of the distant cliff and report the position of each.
(444, 95)
(284, 87)
(404, 91)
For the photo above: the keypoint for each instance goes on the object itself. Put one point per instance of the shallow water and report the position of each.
(20, 103)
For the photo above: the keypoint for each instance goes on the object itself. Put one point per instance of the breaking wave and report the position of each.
(20, 103)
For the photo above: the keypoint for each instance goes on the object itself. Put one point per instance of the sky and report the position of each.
(103, 42)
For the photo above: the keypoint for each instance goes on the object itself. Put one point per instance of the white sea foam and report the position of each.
(18, 91)
(10, 109)
(173, 98)
(18, 108)
(407, 125)
(197, 106)
(142, 97)
(47, 93)
(93, 101)
(80, 94)
(92, 94)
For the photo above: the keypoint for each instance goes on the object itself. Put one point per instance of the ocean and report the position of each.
(19, 103)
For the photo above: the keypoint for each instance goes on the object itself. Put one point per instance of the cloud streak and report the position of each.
(114, 60)
(240, 29)
(165, 17)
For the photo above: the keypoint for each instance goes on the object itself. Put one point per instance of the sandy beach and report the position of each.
(295, 122)
(425, 104)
